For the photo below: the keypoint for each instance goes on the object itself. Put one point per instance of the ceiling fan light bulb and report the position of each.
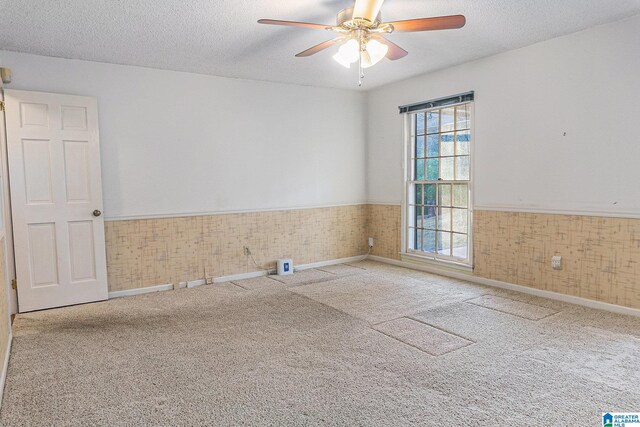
(350, 50)
(348, 53)
(338, 58)
(366, 60)
(375, 52)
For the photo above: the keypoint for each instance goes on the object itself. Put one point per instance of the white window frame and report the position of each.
(407, 172)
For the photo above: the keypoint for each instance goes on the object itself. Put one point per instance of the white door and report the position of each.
(56, 199)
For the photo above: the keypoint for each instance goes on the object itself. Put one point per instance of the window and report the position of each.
(438, 199)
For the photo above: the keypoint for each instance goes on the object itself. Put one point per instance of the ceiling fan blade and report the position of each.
(429, 24)
(294, 24)
(317, 48)
(395, 51)
(367, 9)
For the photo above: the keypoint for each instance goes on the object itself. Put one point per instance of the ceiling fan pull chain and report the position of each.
(360, 70)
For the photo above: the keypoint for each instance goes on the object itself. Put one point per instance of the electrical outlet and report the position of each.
(556, 262)
(370, 242)
(246, 250)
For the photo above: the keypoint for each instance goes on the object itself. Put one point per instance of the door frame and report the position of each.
(10, 266)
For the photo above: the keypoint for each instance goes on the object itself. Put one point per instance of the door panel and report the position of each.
(77, 179)
(83, 266)
(36, 158)
(44, 254)
(74, 118)
(32, 114)
(54, 169)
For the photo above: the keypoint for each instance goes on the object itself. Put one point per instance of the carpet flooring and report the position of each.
(365, 344)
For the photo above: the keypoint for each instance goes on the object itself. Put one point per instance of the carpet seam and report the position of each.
(355, 266)
(239, 286)
(511, 314)
(323, 280)
(418, 348)
(440, 329)
(341, 275)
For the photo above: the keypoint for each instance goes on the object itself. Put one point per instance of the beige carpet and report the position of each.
(360, 345)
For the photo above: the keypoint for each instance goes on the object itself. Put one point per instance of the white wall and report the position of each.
(179, 143)
(586, 84)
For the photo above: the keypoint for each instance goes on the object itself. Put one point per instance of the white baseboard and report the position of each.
(229, 278)
(512, 287)
(195, 283)
(300, 267)
(5, 365)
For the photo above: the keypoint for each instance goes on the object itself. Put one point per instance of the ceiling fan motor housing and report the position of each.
(344, 19)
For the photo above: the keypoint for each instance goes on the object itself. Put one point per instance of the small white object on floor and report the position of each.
(285, 266)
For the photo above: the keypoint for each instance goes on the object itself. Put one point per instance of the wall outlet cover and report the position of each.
(556, 262)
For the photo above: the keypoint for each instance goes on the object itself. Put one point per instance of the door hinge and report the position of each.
(1, 105)
(14, 284)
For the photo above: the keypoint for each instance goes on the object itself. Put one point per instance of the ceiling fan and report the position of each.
(360, 33)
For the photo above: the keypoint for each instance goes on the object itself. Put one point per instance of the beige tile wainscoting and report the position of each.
(601, 255)
(148, 252)
(385, 226)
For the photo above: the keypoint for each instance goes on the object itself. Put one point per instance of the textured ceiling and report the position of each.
(221, 37)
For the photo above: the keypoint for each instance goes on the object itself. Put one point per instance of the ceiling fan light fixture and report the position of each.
(361, 32)
(373, 53)
(348, 53)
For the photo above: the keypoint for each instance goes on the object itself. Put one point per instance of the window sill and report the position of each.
(436, 263)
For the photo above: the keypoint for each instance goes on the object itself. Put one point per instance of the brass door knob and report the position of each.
(97, 213)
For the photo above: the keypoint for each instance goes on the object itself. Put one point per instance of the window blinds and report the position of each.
(449, 100)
